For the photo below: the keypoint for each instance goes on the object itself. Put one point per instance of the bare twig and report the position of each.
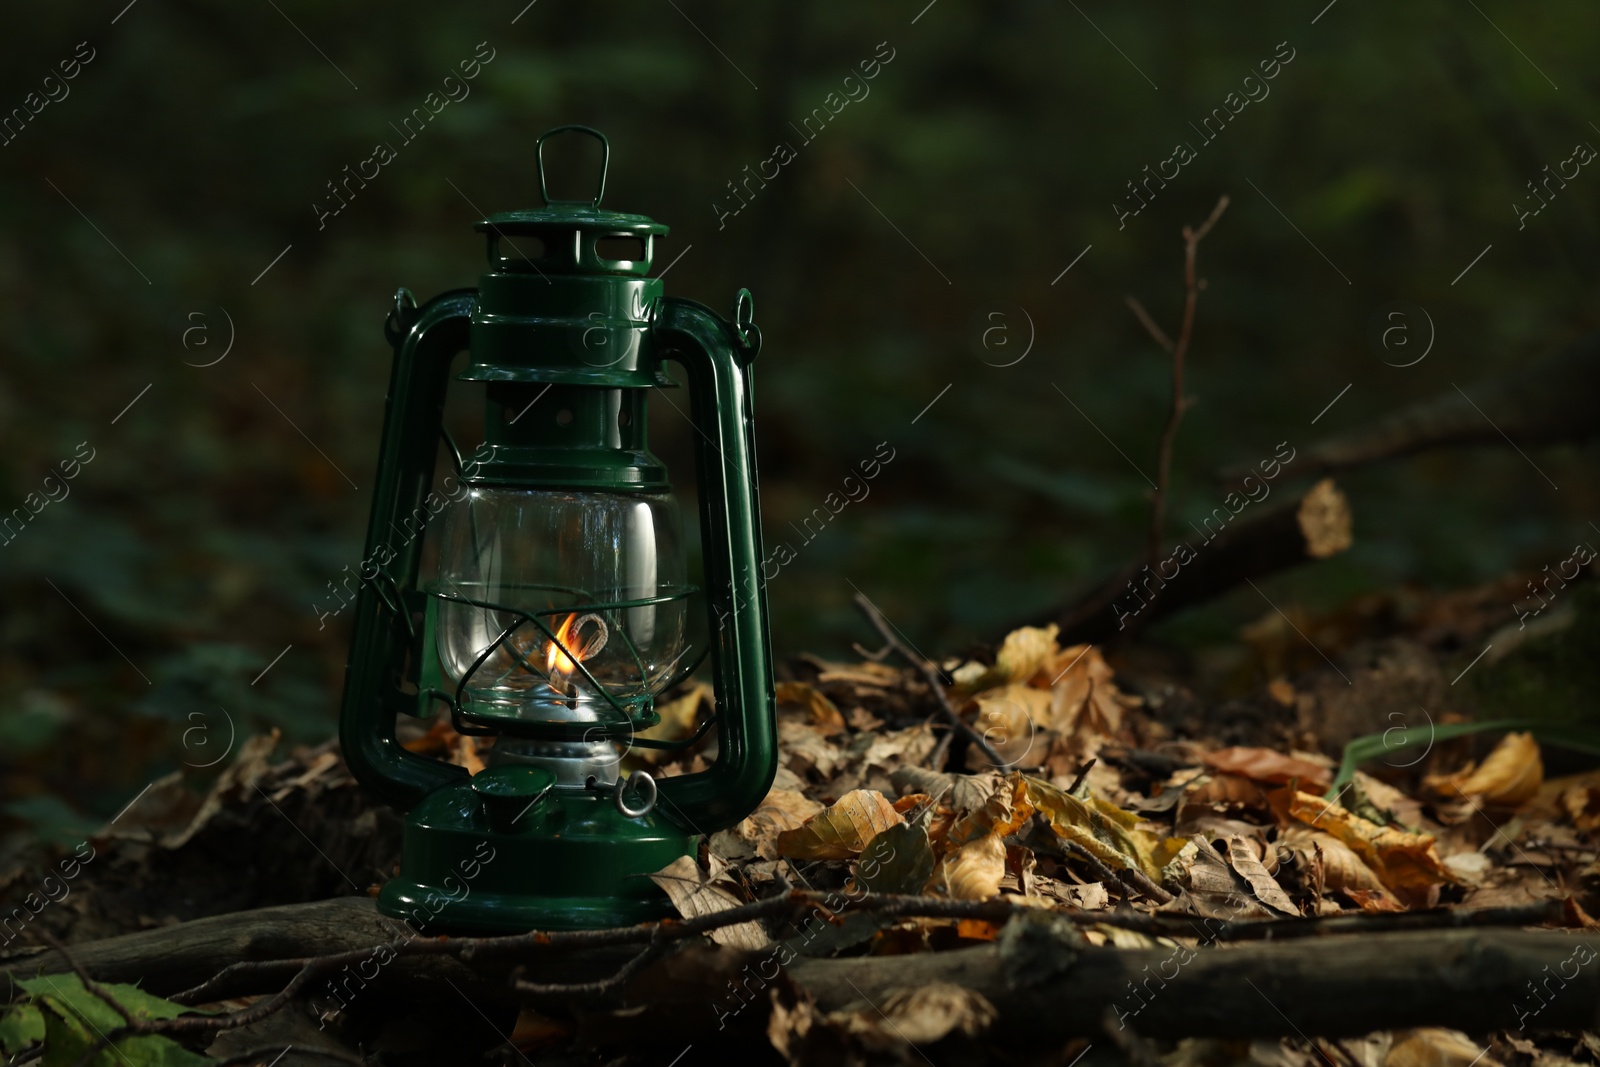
(1083, 776)
(929, 675)
(1149, 323)
(1126, 876)
(1191, 242)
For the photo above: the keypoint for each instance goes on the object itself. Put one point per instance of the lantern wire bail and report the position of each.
(605, 163)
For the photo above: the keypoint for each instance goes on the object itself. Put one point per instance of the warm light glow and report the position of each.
(570, 647)
(557, 663)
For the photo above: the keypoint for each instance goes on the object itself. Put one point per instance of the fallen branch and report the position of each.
(1278, 537)
(1549, 401)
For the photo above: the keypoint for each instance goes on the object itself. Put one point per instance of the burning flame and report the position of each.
(564, 654)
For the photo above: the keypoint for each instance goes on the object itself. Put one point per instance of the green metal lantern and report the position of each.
(561, 608)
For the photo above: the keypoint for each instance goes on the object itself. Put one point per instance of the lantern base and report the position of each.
(571, 861)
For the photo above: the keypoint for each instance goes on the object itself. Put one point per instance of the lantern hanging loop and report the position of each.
(605, 164)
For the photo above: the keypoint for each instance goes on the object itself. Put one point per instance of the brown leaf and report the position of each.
(1266, 765)
(1003, 813)
(843, 830)
(1342, 870)
(1406, 863)
(1012, 720)
(783, 809)
(695, 892)
(804, 749)
(1435, 1047)
(971, 872)
(825, 717)
(1509, 778)
(1266, 889)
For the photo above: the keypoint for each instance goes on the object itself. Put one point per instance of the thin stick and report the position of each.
(930, 676)
(1149, 323)
(1158, 504)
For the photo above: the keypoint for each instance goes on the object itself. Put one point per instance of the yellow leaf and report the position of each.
(1405, 863)
(1024, 651)
(1107, 832)
(1509, 778)
(971, 872)
(843, 830)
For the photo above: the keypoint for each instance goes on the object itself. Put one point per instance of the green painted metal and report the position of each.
(567, 339)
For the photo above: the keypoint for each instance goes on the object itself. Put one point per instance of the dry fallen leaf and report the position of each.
(843, 830)
(825, 717)
(1012, 720)
(1003, 813)
(1509, 778)
(1111, 835)
(1435, 1047)
(971, 872)
(1265, 765)
(1342, 870)
(783, 809)
(1266, 888)
(1026, 650)
(695, 892)
(1406, 863)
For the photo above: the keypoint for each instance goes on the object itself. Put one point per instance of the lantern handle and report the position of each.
(605, 163)
(425, 340)
(716, 354)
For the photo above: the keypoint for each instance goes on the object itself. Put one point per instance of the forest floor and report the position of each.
(1098, 886)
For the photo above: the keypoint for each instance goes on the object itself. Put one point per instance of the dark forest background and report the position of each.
(987, 156)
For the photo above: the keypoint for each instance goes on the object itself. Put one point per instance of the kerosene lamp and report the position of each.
(561, 607)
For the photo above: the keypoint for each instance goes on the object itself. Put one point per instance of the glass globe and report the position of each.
(553, 601)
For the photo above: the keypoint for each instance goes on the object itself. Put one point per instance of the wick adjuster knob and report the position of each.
(510, 792)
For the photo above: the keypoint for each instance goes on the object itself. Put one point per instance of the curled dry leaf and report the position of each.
(962, 792)
(1021, 656)
(783, 809)
(695, 892)
(804, 749)
(843, 830)
(1509, 778)
(1342, 870)
(824, 714)
(1581, 803)
(891, 1031)
(1026, 650)
(1242, 857)
(1111, 835)
(1406, 863)
(1003, 813)
(971, 872)
(1265, 765)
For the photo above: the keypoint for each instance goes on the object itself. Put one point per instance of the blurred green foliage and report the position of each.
(987, 156)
